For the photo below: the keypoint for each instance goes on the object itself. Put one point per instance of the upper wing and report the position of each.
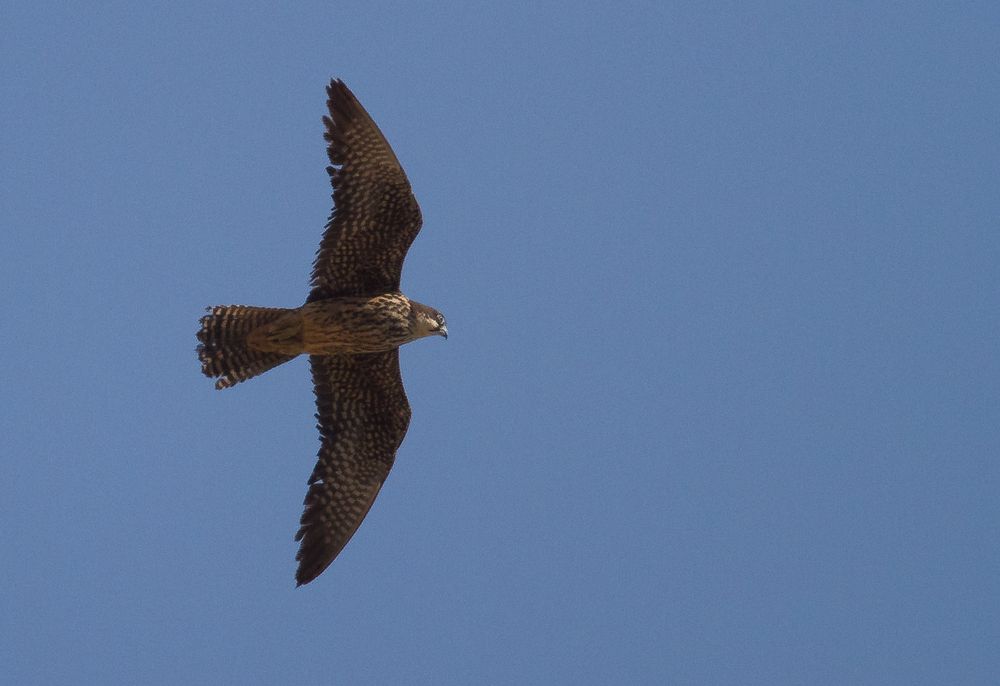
(362, 415)
(375, 216)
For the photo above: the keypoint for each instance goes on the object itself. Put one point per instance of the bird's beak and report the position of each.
(443, 331)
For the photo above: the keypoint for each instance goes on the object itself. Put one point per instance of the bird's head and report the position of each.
(427, 321)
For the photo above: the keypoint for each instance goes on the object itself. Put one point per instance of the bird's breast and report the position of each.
(355, 325)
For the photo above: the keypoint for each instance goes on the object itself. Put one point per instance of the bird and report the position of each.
(351, 326)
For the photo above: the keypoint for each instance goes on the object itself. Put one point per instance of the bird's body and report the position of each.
(339, 326)
(351, 325)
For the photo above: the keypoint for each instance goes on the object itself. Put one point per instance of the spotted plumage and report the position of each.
(351, 326)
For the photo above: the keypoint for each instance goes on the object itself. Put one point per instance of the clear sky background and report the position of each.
(720, 402)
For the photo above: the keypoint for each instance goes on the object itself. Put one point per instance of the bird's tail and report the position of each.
(224, 352)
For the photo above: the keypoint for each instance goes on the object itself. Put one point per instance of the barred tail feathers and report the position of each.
(224, 352)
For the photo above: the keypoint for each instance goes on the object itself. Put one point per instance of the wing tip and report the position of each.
(343, 108)
(301, 578)
(340, 101)
(312, 563)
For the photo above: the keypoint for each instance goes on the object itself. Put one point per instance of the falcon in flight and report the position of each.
(351, 326)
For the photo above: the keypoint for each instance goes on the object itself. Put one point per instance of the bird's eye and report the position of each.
(440, 319)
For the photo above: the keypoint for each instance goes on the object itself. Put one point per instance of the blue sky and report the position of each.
(719, 403)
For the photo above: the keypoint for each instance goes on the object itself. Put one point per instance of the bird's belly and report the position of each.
(332, 328)
(331, 341)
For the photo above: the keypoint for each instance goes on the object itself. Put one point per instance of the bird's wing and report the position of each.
(375, 216)
(362, 415)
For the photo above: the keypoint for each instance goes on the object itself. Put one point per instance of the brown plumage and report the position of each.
(351, 326)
